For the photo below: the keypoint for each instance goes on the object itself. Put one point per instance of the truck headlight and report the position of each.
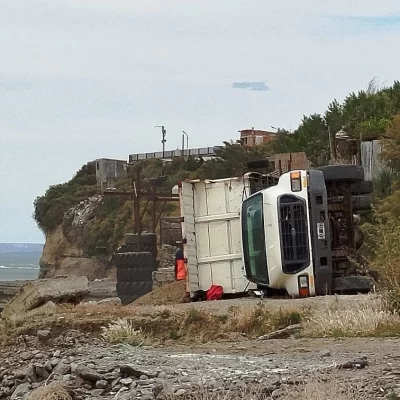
(295, 180)
(303, 283)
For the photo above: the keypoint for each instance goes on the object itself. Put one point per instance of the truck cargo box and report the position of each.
(211, 233)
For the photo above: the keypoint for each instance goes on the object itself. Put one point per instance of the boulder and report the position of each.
(34, 294)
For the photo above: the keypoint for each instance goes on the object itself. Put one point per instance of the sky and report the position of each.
(85, 79)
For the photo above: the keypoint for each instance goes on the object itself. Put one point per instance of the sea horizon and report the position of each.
(19, 261)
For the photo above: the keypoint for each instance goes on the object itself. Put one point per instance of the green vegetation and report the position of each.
(50, 208)
(370, 114)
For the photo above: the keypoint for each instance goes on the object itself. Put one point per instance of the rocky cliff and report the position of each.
(65, 252)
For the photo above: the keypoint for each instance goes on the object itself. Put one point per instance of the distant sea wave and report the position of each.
(19, 266)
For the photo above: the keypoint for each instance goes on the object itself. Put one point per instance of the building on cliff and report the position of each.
(254, 137)
(108, 170)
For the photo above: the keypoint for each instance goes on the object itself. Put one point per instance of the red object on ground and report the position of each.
(215, 293)
(180, 270)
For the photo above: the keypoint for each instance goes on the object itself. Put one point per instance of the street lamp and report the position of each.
(163, 141)
(187, 140)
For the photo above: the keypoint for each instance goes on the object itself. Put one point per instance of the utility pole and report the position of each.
(163, 141)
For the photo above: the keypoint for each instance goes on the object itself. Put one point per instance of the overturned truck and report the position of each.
(297, 233)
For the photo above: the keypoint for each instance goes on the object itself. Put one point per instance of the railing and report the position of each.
(199, 152)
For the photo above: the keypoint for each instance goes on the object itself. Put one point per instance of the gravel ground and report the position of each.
(101, 371)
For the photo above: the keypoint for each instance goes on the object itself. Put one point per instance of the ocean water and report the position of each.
(19, 265)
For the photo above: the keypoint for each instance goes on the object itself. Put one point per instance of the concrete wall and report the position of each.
(108, 170)
(371, 159)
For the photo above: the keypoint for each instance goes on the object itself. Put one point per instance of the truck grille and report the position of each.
(294, 234)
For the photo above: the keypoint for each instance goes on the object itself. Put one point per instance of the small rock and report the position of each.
(111, 376)
(144, 377)
(62, 369)
(157, 389)
(39, 356)
(126, 381)
(48, 366)
(54, 362)
(57, 354)
(131, 370)
(41, 371)
(97, 392)
(73, 367)
(24, 372)
(180, 392)
(20, 391)
(88, 374)
(277, 393)
(115, 382)
(325, 353)
(162, 375)
(102, 384)
(43, 335)
(26, 355)
(67, 378)
(128, 395)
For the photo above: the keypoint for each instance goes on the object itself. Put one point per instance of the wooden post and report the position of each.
(332, 146)
(154, 208)
(136, 201)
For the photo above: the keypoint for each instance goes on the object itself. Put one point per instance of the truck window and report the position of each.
(253, 239)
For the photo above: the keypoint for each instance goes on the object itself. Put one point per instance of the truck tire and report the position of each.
(352, 284)
(134, 274)
(363, 187)
(343, 173)
(361, 202)
(131, 259)
(149, 239)
(138, 248)
(131, 291)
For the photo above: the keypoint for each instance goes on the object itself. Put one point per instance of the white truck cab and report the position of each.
(276, 236)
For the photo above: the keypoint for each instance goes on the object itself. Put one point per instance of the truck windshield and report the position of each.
(253, 240)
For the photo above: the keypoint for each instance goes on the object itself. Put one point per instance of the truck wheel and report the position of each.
(131, 291)
(364, 187)
(134, 274)
(138, 248)
(130, 259)
(362, 202)
(352, 284)
(343, 173)
(149, 239)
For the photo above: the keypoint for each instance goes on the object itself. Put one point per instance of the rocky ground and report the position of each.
(278, 369)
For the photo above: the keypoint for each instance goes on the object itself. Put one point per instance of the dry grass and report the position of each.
(332, 388)
(364, 318)
(368, 316)
(261, 320)
(316, 388)
(53, 391)
(122, 331)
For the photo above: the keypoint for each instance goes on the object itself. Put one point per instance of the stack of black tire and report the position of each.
(135, 261)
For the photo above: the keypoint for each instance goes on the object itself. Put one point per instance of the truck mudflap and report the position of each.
(320, 233)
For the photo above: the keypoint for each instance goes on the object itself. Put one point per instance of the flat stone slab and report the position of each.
(36, 293)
